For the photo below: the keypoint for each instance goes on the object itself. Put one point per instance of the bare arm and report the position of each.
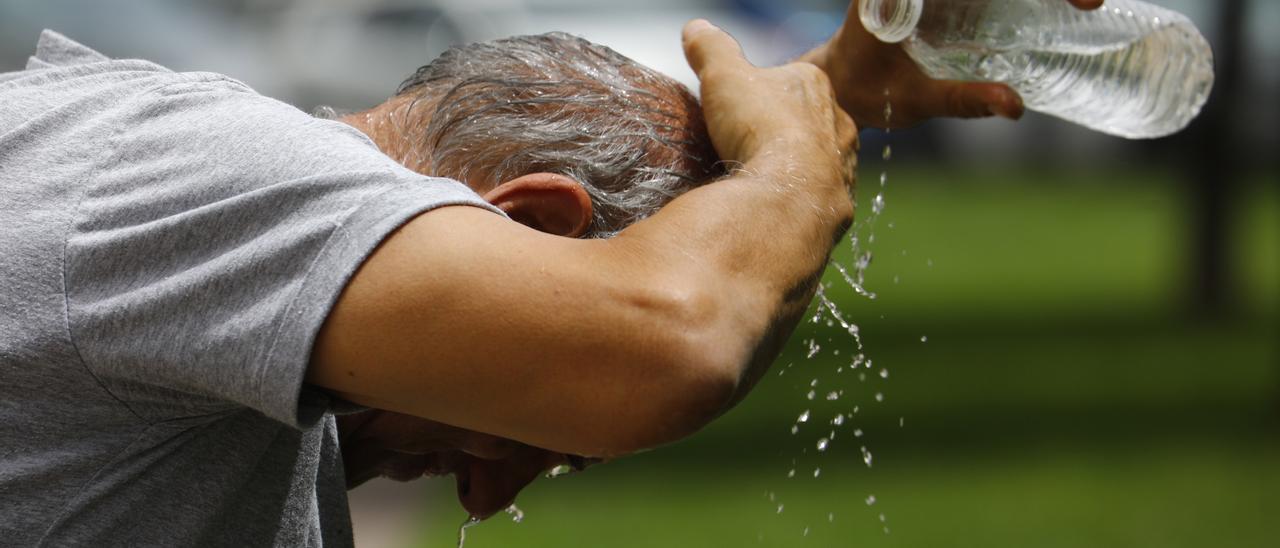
(603, 347)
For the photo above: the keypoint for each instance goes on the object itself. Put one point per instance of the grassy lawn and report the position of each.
(1063, 397)
(1169, 496)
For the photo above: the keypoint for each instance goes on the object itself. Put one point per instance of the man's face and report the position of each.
(490, 471)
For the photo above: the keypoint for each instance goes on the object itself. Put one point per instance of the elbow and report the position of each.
(688, 374)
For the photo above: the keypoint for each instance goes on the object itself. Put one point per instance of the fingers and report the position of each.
(705, 44)
(1086, 4)
(974, 100)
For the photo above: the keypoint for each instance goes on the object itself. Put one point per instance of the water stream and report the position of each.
(826, 311)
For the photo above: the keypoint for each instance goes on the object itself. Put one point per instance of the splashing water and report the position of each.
(517, 515)
(470, 522)
(826, 312)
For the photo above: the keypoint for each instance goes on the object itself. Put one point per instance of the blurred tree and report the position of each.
(1214, 172)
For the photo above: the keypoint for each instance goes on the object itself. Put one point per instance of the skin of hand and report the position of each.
(740, 103)
(862, 69)
(489, 471)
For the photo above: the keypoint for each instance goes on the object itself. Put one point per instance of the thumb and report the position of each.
(973, 100)
(706, 44)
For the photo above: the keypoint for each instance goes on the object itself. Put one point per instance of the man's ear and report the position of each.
(548, 202)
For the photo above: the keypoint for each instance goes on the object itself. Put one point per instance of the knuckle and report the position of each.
(809, 73)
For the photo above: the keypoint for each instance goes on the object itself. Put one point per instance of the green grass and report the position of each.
(1064, 396)
(1167, 496)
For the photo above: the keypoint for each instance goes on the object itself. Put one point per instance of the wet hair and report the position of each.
(634, 138)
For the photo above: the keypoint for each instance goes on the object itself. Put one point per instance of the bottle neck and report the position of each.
(891, 21)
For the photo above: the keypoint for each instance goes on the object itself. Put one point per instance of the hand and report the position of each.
(752, 113)
(862, 68)
(490, 471)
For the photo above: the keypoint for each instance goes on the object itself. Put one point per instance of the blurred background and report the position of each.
(1074, 340)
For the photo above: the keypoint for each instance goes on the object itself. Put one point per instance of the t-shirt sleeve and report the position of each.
(212, 241)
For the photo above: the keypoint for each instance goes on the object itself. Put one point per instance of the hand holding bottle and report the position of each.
(863, 69)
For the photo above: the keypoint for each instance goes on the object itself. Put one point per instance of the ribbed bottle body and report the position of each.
(1129, 68)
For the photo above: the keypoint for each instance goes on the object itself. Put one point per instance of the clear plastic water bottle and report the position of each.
(1128, 68)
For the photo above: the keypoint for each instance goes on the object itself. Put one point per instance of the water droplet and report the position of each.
(835, 352)
(901, 421)
(817, 472)
(884, 178)
(882, 518)
(855, 409)
(559, 471)
(877, 204)
(871, 499)
(838, 420)
(857, 433)
(795, 430)
(517, 515)
(791, 473)
(804, 417)
(866, 456)
(831, 517)
(888, 152)
(806, 531)
(832, 396)
(879, 396)
(811, 394)
(924, 338)
(813, 382)
(780, 506)
(822, 444)
(813, 348)
(884, 373)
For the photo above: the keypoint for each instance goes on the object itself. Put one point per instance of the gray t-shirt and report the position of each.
(170, 243)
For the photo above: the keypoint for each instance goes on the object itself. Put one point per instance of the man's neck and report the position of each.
(396, 127)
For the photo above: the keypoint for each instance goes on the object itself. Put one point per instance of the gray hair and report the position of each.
(634, 138)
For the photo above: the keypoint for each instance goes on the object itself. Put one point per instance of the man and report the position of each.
(181, 253)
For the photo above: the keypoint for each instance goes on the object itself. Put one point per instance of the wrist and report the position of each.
(820, 185)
